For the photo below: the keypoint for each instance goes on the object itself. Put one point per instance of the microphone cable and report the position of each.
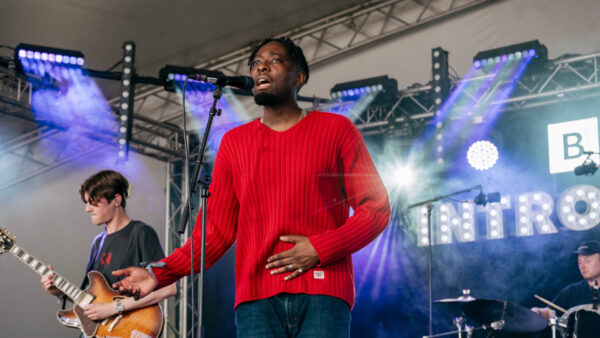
(188, 192)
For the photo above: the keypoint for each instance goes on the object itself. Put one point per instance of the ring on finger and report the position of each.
(299, 270)
(291, 266)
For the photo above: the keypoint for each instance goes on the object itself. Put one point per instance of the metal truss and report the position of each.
(24, 156)
(561, 80)
(344, 32)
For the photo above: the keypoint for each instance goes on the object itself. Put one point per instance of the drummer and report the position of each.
(579, 293)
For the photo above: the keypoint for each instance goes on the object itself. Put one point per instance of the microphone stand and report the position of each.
(429, 204)
(204, 182)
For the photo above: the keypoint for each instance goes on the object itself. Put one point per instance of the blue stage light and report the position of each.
(48, 54)
(356, 89)
(531, 49)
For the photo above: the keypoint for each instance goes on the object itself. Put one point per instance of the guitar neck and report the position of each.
(63, 284)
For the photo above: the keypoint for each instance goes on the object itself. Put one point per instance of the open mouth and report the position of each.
(262, 83)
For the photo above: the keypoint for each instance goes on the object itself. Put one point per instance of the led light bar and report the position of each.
(169, 75)
(530, 49)
(349, 91)
(48, 54)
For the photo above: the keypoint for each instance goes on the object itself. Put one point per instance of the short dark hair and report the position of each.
(105, 184)
(294, 53)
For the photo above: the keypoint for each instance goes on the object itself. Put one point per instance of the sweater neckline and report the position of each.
(287, 131)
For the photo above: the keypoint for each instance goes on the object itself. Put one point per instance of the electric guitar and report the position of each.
(144, 322)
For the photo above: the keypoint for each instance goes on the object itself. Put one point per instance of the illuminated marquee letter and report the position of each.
(494, 220)
(568, 140)
(534, 208)
(579, 207)
(461, 224)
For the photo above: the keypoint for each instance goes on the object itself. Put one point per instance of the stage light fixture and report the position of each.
(380, 86)
(27, 53)
(174, 76)
(440, 89)
(125, 110)
(482, 155)
(530, 49)
(588, 167)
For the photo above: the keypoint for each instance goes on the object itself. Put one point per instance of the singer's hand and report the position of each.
(297, 260)
(137, 282)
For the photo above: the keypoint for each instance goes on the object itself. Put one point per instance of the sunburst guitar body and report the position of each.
(146, 322)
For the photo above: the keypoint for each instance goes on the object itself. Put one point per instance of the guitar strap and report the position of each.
(91, 260)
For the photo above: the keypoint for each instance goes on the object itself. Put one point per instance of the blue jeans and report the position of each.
(293, 315)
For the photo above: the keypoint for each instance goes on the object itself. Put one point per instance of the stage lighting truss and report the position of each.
(26, 53)
(530, 49)
(379, 87)
(125, 111)
(174, 76)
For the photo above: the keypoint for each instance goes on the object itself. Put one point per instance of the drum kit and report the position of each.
(501, 316)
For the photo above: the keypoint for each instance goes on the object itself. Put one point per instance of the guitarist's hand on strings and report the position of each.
(137, 282)
(48, 283)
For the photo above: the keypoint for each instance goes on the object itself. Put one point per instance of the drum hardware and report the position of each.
(553, 322)
(501, 315)
(460, 320)
(571, 329)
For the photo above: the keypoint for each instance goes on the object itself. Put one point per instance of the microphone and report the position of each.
(241, 82)
(484, 199)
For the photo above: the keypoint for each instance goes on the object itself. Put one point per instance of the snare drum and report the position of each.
(581, 321)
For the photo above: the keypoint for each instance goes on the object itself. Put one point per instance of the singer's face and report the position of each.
(589, 266)
(275, 76)
(101, 211)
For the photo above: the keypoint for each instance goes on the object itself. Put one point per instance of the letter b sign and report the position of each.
(568, 140)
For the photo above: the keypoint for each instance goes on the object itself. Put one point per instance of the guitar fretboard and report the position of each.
(64, 285)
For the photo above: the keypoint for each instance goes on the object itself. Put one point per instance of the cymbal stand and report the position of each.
(468, 329)
(458, 322)
(553, 322)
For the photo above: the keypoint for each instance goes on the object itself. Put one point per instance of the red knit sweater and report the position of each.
(301, 181)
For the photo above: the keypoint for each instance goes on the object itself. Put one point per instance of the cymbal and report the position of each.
(461, 299)
(504, 316)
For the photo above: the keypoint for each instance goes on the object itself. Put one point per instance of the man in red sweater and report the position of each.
(282, 189)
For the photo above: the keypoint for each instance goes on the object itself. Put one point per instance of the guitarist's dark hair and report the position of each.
(107, 184)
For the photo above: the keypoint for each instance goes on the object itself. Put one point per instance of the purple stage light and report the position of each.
(477, 64)
(22, 53)
(80, 61)
(30, 54)
(45, 56)
(59, 58)
(504, 58)
(37, 55)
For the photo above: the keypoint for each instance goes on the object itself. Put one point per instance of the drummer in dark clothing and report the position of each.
(581, 292)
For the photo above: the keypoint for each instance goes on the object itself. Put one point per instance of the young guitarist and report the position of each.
(124, 243)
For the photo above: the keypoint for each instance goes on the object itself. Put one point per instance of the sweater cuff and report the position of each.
(325, 248)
